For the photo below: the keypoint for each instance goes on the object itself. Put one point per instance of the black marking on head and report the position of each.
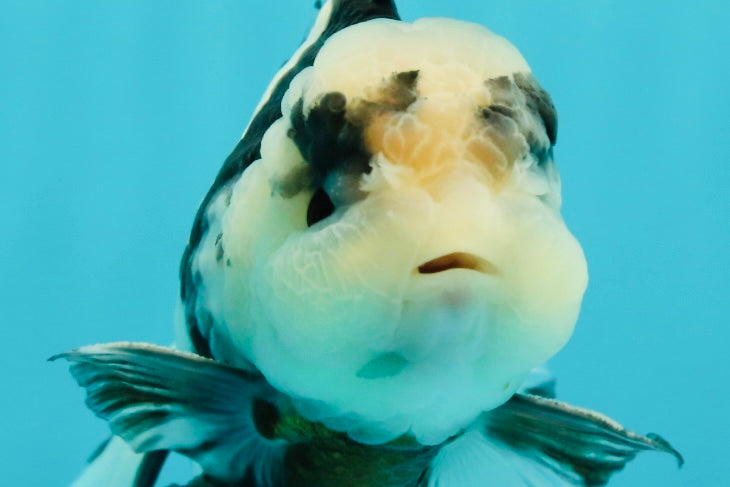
(265, 418)
(539, 101)
(396, 94)
(501, 109)
(344, 13)
(519, 105)
(328, 139)
(502, 117)
(400, 91)
(331, 134)
(506, 134)
(292, 183)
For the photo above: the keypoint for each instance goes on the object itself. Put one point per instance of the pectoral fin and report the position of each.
(581, 445)
(157, 398)
(225, 419)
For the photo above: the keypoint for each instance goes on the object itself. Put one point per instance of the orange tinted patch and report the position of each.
(433, 135)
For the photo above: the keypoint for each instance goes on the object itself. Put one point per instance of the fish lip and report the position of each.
(457, 260)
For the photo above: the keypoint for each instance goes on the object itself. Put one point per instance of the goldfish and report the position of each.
(372, 284)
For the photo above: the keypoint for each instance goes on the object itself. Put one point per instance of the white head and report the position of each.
(396, 260)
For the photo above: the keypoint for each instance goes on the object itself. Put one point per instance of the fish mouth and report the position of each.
(458, 260)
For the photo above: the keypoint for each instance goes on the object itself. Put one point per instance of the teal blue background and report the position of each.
(115, 116)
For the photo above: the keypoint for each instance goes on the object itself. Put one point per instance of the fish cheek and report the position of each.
(255, 228)
(260, 218)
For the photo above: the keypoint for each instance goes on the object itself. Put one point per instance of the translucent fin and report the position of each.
(156, 398)
(582, 446)
(534, 441)
(226, 420)
(473, 458)
(117, 465)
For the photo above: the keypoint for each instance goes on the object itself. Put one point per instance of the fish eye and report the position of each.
(320, 207)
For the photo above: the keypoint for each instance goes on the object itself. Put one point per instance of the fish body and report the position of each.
(372, 282)
(440, 271)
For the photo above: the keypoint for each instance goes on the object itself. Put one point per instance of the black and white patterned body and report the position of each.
(370, 283)
(333, 17)
(385, 244)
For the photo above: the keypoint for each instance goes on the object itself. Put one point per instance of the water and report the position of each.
(114, 118)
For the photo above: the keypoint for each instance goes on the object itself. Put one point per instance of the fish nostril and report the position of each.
(457, 260)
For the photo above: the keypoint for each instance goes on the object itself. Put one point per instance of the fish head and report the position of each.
(396, 260)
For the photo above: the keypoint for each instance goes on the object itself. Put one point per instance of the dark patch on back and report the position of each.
(248, 149)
